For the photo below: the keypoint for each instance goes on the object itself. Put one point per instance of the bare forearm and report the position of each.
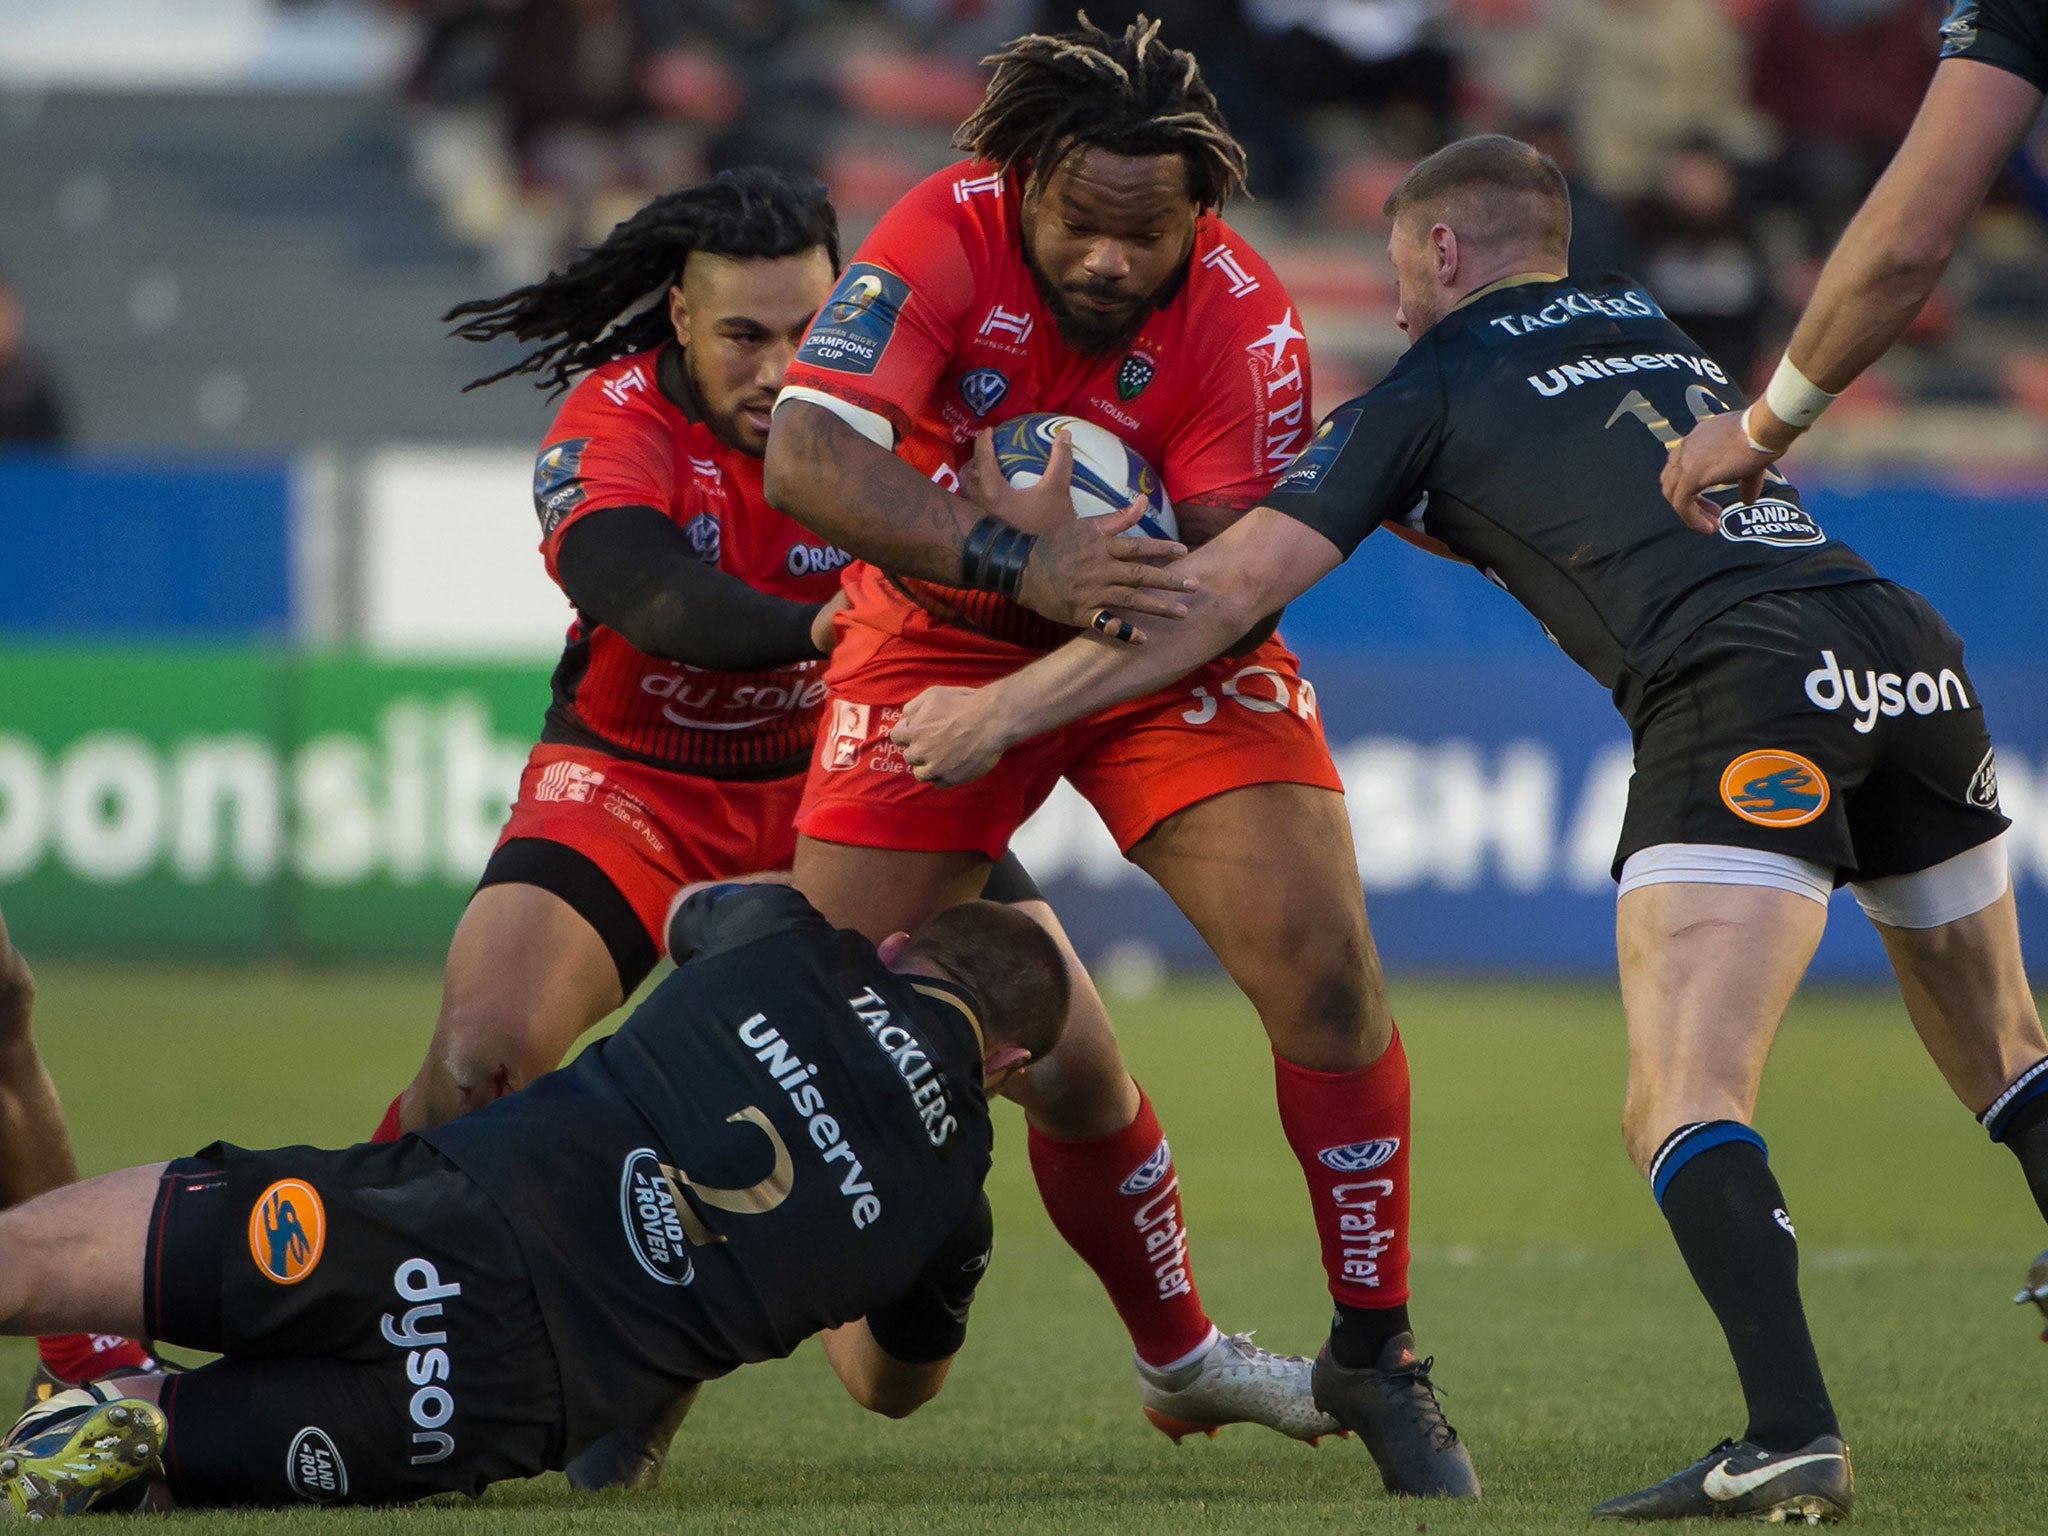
(1897, 247)
(1087, 674)
(862, 497)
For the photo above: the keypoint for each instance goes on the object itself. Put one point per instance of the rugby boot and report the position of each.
(1392, 1407)
(2036, 1289)
(1235, 1382)
(1740, 1481)
(631, 1458)
(82, 1449)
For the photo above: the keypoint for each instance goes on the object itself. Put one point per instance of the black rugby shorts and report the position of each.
(1835, 724)
(381, 1337)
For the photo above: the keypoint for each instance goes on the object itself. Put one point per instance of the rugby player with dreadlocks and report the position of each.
(690, 689)
(1076, 263)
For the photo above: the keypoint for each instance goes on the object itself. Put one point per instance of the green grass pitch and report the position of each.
(1574, 1354)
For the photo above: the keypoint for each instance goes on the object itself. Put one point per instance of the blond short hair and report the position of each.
(1491, 190)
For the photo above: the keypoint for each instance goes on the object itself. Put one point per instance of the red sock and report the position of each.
(1116, 1200)
(80, 1357)
(1350, 1131)
(387, 1128)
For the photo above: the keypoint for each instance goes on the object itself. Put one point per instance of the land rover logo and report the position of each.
(313, 1467)
(1770, 521)
(654, 1227)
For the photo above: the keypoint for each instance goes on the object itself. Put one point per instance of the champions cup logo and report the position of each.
(1774, 789)
(556, 489)
(1358, 1156)
(858, 298)
(287, 1231)
(1148, 1173)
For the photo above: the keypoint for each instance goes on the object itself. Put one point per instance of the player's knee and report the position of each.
(1319, 997)
(487, 1060)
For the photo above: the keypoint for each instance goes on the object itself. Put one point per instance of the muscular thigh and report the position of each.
(880, 891)
(1267, 875)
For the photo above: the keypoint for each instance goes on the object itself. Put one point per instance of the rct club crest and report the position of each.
(1133, 374)
(983, 389)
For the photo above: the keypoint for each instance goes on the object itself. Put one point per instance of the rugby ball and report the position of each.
(1109, 474)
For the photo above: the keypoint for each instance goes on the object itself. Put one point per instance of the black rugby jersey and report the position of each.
(1526, 430)
(775, 1142)
(2011, 34)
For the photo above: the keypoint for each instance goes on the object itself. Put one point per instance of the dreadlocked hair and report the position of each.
(1130, 95)
(605, 304)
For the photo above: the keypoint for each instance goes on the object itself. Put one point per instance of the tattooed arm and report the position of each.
(846, 487)
(863, 498)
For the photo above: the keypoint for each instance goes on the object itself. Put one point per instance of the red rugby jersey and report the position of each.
(619, 441)
(937, 325)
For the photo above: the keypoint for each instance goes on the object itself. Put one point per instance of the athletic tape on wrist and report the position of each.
(1794, 398)
(993, 558)
(1750, 437)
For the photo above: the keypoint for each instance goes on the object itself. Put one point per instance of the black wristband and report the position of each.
(993, 558)
(929, 1321)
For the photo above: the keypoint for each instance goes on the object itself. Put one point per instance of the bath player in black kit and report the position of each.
(1798, 723)
(788, 1137)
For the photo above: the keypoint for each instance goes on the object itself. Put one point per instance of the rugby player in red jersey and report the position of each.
(1076, 264)
(689, 690)
(35, 1157)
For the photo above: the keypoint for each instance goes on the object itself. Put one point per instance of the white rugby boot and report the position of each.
(1235, 1382)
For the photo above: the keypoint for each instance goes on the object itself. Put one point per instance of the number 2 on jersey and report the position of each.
(755, 1200)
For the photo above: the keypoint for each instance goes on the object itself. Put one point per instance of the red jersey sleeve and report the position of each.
(1251, 410)
(883, 338)
(609, 446)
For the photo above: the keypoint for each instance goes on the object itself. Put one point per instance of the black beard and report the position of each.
(1093, 335)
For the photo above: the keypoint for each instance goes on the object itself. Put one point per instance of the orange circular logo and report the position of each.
(1774, 789)
(287, 1231)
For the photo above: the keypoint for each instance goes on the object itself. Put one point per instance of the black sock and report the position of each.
(1714, 1183)
(1358, 1335)
(2019, 1118)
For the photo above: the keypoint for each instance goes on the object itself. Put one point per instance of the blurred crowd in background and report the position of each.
(1717, 146)
(1716, 149)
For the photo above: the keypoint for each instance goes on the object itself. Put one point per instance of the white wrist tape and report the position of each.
(1794, 398)
(1749, 435)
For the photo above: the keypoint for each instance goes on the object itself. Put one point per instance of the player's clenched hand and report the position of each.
(1091, 564)
(947, 736)
(1716, 452)
(823, 634)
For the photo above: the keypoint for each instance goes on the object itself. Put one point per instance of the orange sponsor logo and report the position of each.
(1774, 789)
(287, 1231)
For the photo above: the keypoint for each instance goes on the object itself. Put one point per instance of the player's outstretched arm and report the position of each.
(1256, 566)
(848, 488)
(1881, 273)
